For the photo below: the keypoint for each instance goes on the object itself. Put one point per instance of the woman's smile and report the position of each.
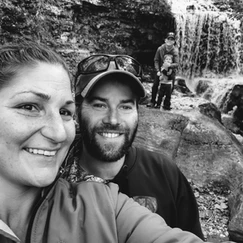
(41, 151)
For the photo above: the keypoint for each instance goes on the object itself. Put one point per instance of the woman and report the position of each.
(37, 129)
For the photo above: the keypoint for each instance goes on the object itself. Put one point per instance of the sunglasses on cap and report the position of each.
(96, 67)
(100, 63)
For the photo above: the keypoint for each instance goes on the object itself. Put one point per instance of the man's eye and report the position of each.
(127, 108)
(99, 105)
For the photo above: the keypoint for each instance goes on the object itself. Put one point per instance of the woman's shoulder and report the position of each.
(87, 190)
(63, 184)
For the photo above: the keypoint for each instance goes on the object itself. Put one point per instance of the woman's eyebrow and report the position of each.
(39, 94)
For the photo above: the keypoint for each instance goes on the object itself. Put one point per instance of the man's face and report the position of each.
(109, 120)
(169, 42)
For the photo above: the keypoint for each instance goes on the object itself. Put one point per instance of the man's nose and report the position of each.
(112, 65)
(112, 117)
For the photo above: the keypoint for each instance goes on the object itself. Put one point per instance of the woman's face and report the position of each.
(36, 125)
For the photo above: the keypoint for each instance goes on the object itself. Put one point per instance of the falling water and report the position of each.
(206, 38)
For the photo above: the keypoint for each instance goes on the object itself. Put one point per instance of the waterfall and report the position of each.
(208, 40)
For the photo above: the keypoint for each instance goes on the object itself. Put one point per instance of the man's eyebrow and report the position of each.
(128, 101)
(105, 100)
(92, 98)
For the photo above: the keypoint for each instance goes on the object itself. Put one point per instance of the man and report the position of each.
(168, 48)
(107, 106)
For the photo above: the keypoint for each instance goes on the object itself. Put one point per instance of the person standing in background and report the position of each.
(165, 84)
(168, 48)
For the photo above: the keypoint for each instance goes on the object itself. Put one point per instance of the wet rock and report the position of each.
(233, 97)
(202, 86)
(238, 118)
(210, 110)
(231, 102)
(180, 85)
(228, 122)
(160, 131)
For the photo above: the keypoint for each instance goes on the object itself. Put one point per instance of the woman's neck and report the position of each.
(16, 207)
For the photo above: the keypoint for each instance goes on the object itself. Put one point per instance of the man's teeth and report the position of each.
(41, 152)
(110, 135)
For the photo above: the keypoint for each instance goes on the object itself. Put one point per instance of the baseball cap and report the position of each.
(96, 67)
(170, 35)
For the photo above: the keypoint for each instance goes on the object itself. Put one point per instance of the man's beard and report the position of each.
(106, 152)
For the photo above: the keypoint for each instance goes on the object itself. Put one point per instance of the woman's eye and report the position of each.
(28, 107)
(65, 112)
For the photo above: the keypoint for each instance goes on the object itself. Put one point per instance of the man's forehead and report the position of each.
(114, 84)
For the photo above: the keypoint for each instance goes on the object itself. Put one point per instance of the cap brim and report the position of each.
(92, 79)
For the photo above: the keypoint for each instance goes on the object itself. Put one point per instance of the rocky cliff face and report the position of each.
(207, 40)
(136, 28)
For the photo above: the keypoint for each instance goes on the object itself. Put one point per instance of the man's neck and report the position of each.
(169, 47)
(105, 170)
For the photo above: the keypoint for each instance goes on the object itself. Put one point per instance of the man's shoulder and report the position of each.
(158, 165)
(151, 152)
(162, 47)
(144, 154)
(176, 50)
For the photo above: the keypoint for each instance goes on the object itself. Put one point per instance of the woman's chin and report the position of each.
(45, 181)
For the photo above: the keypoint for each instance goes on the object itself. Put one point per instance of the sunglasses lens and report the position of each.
(99, 63)
(93, 64)
(128, 64)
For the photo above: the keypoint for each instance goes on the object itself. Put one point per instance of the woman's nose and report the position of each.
(54, 128)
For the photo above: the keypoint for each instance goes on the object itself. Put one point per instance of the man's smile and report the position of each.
(110, 134)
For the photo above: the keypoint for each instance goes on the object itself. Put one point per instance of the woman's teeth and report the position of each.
(41, 152)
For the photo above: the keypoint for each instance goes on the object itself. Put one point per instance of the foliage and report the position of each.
(234, 6)
(213, 208)
(155, 6)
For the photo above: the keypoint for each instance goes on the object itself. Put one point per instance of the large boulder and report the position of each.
(203, 149)
(160, 131)
(235, 201)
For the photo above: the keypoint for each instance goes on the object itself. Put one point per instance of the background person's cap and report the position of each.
(85, 82)
(170, 35)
